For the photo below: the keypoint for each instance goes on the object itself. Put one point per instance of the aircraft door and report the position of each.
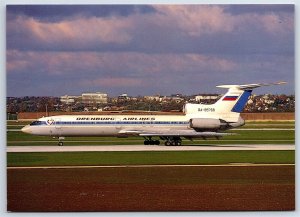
(118, 123)
(57, 131)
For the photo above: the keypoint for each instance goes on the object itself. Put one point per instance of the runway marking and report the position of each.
(150, 166)
(104, 148)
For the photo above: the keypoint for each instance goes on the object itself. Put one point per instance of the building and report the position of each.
(69, 99)
(123, 97)
(94, 98)
(166, 99)
(202, 97)
(152, 98)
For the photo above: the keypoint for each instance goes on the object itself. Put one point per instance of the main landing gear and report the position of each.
(149, 141)
(173, 141)
(170, 141)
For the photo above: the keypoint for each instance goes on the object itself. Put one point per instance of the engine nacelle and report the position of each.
(207, 124)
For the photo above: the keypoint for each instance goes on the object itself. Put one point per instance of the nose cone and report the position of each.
(26, 129)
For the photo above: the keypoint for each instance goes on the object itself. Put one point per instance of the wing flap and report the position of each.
(188, 134)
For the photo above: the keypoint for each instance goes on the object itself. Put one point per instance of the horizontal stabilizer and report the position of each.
(250, 86)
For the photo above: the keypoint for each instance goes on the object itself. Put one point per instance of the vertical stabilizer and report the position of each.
(237, 96)
(229, 106)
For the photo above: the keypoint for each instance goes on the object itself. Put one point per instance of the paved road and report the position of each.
(149, 148)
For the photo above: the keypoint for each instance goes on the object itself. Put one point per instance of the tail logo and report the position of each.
(230, 98)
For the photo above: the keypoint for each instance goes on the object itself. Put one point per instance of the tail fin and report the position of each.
(237, 96)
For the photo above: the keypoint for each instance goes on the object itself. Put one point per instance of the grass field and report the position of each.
(149, 158)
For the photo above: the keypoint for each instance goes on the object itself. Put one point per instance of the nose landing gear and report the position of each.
(60, 141)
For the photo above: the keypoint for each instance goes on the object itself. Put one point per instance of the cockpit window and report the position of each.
(38, 123)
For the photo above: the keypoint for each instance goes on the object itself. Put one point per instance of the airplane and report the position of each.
(198, 121)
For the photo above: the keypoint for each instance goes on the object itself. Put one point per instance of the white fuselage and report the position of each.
(105, 125)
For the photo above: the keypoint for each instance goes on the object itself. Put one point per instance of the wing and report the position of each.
(175, 133)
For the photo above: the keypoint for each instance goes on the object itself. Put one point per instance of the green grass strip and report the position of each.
(149, 158)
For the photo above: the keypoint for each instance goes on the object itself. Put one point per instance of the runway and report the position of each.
(110, 148)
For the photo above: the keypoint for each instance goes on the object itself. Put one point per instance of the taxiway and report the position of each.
(149, 148)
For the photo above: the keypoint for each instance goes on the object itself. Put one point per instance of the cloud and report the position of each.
(168, 48)
(137, 73)
(198, 20)
(131, 63)
(278, 24)
(195, 20)
(158, 31)
(113, 82)
(115, 70)
(57, 13)
(80, 32)
(259, 8)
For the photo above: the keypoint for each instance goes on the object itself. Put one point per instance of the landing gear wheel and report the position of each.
(173, 142)
(60, 141)
(167, 143)
(148, 141)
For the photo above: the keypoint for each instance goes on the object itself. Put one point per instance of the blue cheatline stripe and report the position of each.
(239, 106)
(120, 123)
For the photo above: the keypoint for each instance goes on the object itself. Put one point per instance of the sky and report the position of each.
(55, 50)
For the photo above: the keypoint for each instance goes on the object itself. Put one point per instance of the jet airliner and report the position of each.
(198, 121)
